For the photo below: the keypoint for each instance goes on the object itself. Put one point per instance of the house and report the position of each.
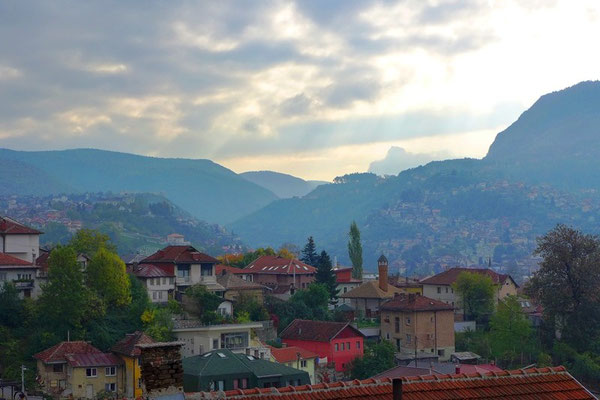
(128, 351)
(159, 280)
(80, 370)
(83, 261)
(345, 282)
(239, 272)
(296, 357)
(532, 383)
(281, 273)
(176, 239)
(418, 324)
(23, 274)
(337, 342)
(439, 287)
(368, 297)
(224, 370)
(199, 338)
(18, 240)
(234, 287)
(189, 266)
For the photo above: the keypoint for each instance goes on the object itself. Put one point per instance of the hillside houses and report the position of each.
(281, 274)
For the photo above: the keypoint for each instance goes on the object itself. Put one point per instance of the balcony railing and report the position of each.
(24, 283)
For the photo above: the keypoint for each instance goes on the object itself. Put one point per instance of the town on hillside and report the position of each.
(77, 321)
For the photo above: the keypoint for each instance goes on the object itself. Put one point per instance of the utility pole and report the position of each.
(23, 379)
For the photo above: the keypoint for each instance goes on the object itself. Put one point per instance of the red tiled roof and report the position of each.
(219, 268)
(234, 282)
(179, 255)
(288, 354)
(10, 261)
(153, 271)
(401, 370)
(12, 227)
(279, 265)
(127, 345)
(412, 303)
(344, 275)
(449, 277)
(58, 352)
(93, 360)
(315, 331)
(42, 260)
(483, 368)
(531, 384)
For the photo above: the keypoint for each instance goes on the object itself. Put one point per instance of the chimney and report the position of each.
(382, 264)
(397, 389)
(457, 369)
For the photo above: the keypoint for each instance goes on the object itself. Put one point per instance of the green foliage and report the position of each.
(476, 292)
(55, 233)
(66, 303)
(326, 276)
(106, 275)
(355, 251)
(309, 252)
(476, 341)
(311, 303)
(250, 307)
(510, 332)
(544, 360)
(158, 323)
(377, 358)
(205, 303)
(568, 284)
(89, 241)
(10, 306)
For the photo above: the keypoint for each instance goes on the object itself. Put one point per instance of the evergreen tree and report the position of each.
(309, 253)
(325, 274)
(355, 251)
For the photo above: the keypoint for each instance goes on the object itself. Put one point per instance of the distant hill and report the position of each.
(283, 185)
(540, 171)
(135, 222)
(556, 141)
(206, 189)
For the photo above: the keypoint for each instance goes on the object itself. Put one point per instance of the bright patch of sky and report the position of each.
(311, 88)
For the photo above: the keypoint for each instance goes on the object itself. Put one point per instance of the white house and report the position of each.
(21, 273)
(18, 240)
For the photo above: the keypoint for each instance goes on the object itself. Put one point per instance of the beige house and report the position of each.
(78, 369)
(439, 287)
(415, 323)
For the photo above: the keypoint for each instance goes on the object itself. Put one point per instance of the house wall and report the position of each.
(79, 382)
(345, 287)
(310, 366)
(132, 375)
(341, 357)
(369, 307)
(200, 341)
(445, 294)
(16, 273)
(54, 382)
(508, 289)
(158, 288)
(425, 326)
(302, 280)
(25, 247)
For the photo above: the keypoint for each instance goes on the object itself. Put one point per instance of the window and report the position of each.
(407, 320)
(160, 296)
(244, 383)
(237, 340)
(302, 363)
(164, 281)
(236, 383)
(2, 276)
(206, 269)
(139, 385)
(452, 290)
(397, 324)
(441, 352)
(343, 346)
(171, 280)
(183, 272)
(337, 347)
(153, 295)
(91, 372)
(358, 345)
(446, 289)
(348, 345)
(407, 338)
(439, 289)
(215, 344)
(110, 387)
(57, 368)
(111, 371)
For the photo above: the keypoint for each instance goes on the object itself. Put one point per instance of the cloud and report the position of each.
(398, 159)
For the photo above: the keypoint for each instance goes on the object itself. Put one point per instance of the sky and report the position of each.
(313, 88)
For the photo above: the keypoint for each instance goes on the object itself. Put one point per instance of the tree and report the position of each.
(377, 358)
(477, 295)
(89, 241)
(309, 253)
(567, 284)
(106, 275)
(10, 306)
(355, 251)
(325, 275)
(510, 332)
(158, 323)
(66, 303)
(254, 309)
(205, 302)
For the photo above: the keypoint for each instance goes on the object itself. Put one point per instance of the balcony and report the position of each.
(183, 280)
(24, 284)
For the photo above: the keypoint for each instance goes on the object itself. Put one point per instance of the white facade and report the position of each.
(201, 339)
(345, 287)
(23, 246)
(158, 288)
(24, 279)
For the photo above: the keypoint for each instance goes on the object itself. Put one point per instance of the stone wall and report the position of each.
(161, 368)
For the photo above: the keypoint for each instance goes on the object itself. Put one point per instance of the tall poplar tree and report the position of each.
(325, 274)
(355, 251)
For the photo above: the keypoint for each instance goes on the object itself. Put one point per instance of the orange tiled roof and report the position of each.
(530, 384)
(287, 354)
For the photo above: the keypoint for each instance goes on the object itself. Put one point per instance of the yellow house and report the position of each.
(130, 354)
(90, 374)
(296, 357)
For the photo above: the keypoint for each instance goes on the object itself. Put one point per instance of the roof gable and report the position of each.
(412, 303)
(279, 265)
(371, 290)
(127, 345)
(57, 353)
(11, 227)
(184, 254)
(288, 354)
(316, 331)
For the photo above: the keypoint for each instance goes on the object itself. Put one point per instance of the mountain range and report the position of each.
(283, 185)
